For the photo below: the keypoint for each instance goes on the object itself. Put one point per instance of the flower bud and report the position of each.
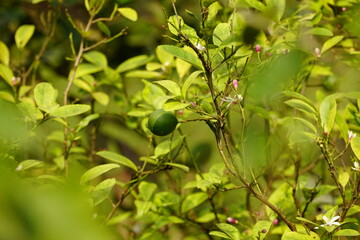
(235, 84)
(232, 220)
(317, 52)
(258, 48)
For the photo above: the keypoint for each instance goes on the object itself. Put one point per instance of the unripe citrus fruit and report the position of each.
(161, 122)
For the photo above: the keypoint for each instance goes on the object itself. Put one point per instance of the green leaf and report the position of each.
(182, 54)
(306, 220)
(207, 217)
(298, 96)
(295, 236)
(328, 113)
(23, 35)
(165, 199)
(189, 80)
(171, 86)
(97, 58)
(164, 147)
(101, 98)
(104, 28)
(229, 230)
(70, 110)
(146, 190)
(26, 164)
(45, 97)
(343, 127)
(301, 106)
(129, 13)
(355, 146)
(177, 165)
(133, 63)
(219, 234)
(85, 122)
(7, 96)
(6, 74)
(117, 158)
(344, 178)
(143, 74)
(221, 32)
(142, 207)
(213, 10)
(319, 31)
(97, 171)
(256, 4)
(119, 218)
(347, 233)
(193, 200)
(86, 69)
(276, 8)
(4, 54)
(29, 110)
(331, 42)
(172, 106)
(102, 190)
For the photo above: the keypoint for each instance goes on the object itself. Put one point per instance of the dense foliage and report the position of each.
(254, 109)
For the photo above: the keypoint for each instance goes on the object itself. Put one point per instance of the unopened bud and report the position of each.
(317, 52)
(257, 48)
(235, 84)
(200, 47)
(276, 221)
(232, 220)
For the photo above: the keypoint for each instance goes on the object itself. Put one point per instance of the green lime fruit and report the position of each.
(162, 123)
(331, 83)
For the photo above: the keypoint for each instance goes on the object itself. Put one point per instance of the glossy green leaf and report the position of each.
(102, 190)
(172, 106)
(347, 233)
(101, 98)
(6, 74)
(207, 217)
(193, 200)
(143, 74)
(213, 10)
(119, 218)
(26, 164)
(188, 82)
(229, 230)
(4, 54)
(331, 43)
(117, 158)
(97, 58)
(146, 190)
(23, 35)
(256, 4)
(219, 234)
(164, 147)
(301, 106)
(319, 31)
(45, 97)
(295, 236)
(276, 8)
(97, 171)
(221, 32)
(182, 54)
(355, 146)
(133, 63)
(328, 113)
(129, 13)
(70, 110)
(171, 86)
(178, 165)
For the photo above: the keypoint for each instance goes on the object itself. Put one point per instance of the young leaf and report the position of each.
(328, 113)
(276, 8)
(23, 35)
(4, 54)
(171, 86)
(104, 28)
(319, 31)
(117, 158)
(172, 106)
(182, 54)
(85, 122)
(101, 98)
(193, 200)
(177, 165)
(219, 234)
(45, 96)
(164, 147)
(102, 190)
(87, 68)
(190, 80)
(301, 106)
(146, 190)
(6, 74)
(331, 42)
(347, 233)
(133, 63)
(229, 230)
(295, 236)
(129, 13)
(97, 58)
(97, 171)
(355, 146)
(221, 32)
(70, 110)
(26, 164)
(344, 179)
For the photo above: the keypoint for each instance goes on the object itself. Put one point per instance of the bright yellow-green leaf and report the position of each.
(4, 54)
(129, 13)
(330, 43)
(23, 35)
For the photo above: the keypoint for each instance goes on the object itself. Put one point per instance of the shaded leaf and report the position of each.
(319, 31)
(133, 63)
(347, 233)
(102, 190)
(101, 98)
(177, 165)
(182, 54)
(355, 146)
(97, 58)
(189, 80)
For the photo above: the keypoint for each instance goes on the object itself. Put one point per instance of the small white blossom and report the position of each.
(330, 222)
(317, 52)
(356, 166)
(200, 47)
(351, 135)
(19, 168)
(232, 100)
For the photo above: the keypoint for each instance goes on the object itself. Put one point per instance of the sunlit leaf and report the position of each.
(4, 54)
(331, 42)
(23, 35)
(129, 13)
(70, 110)
(117, 158)
(97, 171)
(146, 190)
(328, 113)
(319, 31)
(193, 200)
(182, 54)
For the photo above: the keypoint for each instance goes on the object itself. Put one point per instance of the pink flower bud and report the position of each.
(235, 84)
(232, 220)
(263, 231)
(326, 133)
(257, 213)
(276, 221)
(344, 9)
(257, 48)
(193, 104)
(180, 112)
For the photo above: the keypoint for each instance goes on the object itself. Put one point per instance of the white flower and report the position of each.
(356, 166)
(200, 47)
(232, 100)
(330, 222)
(351, 135)
(317, 52)
(19, 168)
